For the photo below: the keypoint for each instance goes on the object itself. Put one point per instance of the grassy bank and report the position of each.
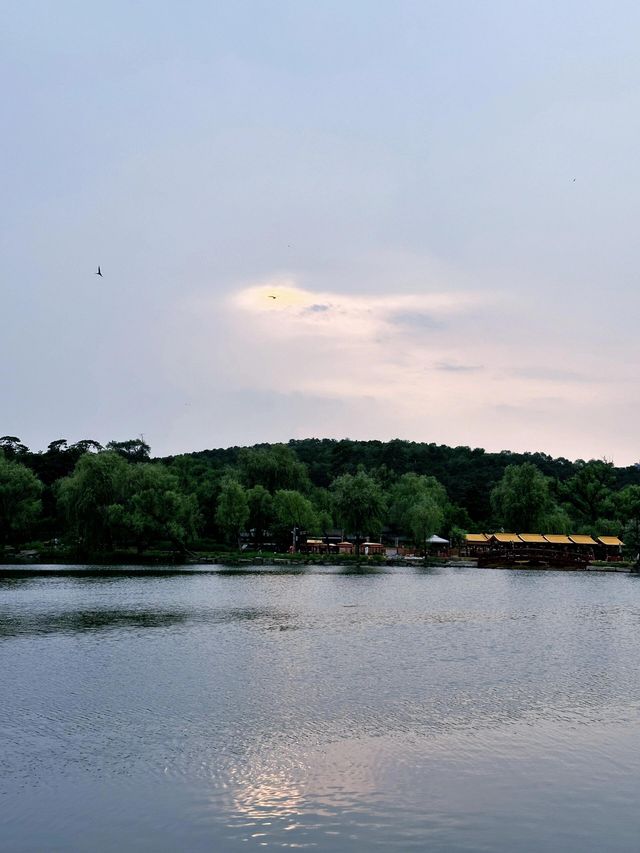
(36, 553)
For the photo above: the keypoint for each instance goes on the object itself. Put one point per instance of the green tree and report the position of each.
(86, 445)
(107, 502)
(59, 459)
(274, 467)
(555, 520)
(12, 447)
(156, 508)
(293, 512)
(92, 499)
(201, 478)
(322, 501)
(20, 503)
(457, 536)
(521, 499)
(628, 505)
(411, 489)
(324, 523)
(261, 512)
(588, 492)
(425, 518)
(418, 505)
(359, 504)
(133, 450)
(232, 513)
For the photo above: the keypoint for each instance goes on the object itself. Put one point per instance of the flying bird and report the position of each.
(99, 273)
(272, 297)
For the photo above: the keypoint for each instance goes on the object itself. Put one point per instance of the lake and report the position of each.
(400, 709)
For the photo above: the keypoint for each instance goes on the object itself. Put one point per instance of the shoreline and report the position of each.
(30, 568)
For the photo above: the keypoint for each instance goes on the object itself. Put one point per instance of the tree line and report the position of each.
(95, 498)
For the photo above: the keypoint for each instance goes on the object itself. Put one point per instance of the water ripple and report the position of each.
(450, 710)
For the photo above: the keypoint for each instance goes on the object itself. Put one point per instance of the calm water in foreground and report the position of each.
(440, 710)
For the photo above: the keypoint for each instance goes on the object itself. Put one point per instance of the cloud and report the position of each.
(551, 374)
(458, 368)
(417, 321)
(361, 315)
(348, 346)
(318, 361)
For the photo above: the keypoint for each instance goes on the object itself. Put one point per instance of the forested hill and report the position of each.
(468, 474)
(98, 498)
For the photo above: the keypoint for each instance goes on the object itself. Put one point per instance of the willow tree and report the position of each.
(20, 503)
(425, 518)
(274, 467)
(294, 512)
(261, 512)
(232, 513)
(589, 492)
(156, 508)
(628, 502)
(92, 498)
(521, 501)
(108, 501)
(359, 505)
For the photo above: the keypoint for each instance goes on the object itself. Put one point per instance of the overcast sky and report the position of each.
(442, 196)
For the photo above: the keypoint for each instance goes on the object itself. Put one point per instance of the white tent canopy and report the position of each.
(437, 540)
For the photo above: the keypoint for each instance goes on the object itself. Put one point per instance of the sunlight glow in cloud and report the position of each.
(348, 346)
(297, 311)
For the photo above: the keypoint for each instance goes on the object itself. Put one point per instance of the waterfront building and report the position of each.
(610, 548)
(543, 548)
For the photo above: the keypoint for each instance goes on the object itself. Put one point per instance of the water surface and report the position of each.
(441, 710)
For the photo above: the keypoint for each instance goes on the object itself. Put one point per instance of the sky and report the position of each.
(443, 198)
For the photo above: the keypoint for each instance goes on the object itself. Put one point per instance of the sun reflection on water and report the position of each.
(268, 796)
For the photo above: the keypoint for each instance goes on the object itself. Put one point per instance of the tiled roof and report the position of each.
(532, 537)
(610, 540)
(557, 538)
